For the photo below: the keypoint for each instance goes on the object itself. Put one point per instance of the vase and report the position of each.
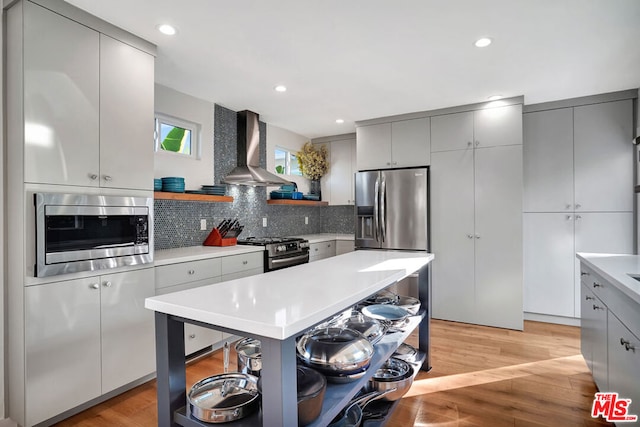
(314, 188)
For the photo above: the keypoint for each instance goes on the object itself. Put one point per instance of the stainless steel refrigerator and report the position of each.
(392, 213)
(392, 209)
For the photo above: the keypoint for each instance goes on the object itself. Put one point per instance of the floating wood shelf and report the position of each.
(164, 195)
(296, 202)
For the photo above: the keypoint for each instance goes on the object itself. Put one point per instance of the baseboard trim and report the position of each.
(547, 318)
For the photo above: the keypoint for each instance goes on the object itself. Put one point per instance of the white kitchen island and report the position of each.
(275, 307)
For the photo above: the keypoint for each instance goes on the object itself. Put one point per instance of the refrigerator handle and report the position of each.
(383, 212)
(375, 209)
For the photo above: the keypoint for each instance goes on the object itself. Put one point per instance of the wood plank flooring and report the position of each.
(481, 376)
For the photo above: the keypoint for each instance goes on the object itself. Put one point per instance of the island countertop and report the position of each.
(283, 303)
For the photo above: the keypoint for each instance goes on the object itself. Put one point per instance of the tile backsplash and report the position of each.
(177, 223)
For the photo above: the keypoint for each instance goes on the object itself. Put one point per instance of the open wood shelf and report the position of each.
(296, 202)
(164, 195)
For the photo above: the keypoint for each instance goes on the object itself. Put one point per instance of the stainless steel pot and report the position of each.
(249, 356)
(351, 415)
(335, 350)
(411, 304)
(386, 313)
(372, 329)
(223, 398)
(394, 377)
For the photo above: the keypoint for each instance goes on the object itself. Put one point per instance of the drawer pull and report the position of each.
(329, 245)
(192, 336)
(588, 298)
(94, 286)
(107, 284)
(584, 273)
(191, 272)
(597, 285)
(627, 345)
(596, 307)
(245, 262)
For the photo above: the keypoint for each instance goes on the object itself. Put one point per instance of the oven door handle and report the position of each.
(293, 258)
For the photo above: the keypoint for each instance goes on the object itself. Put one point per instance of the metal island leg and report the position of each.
(424, 294)
(279, 390)
(171, 374)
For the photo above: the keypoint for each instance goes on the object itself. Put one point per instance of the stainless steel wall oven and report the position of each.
(78, 232)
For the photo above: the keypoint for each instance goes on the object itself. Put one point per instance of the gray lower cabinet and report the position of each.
(610, 327)
(84, 338)
(321, 250)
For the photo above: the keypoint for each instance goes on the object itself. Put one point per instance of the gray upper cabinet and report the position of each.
(61, 99)
(452, 132)
(398, 144)
(548, 166)
(498, 126)
(603, 157)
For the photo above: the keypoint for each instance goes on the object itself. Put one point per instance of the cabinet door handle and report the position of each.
(329, 245)
(470, 236)
(93, 176)
(597, 285)
(107, 284)
(107, 178)
(569, 217)
(388, 163)
(477, 236)
(568, 206)
(597, 307)
(245, 262)
(627, 345)
(578, 205)
(477, 143)
(94, 286)
(469, 144)
(191, 272)
(192, 336)
(588, 298)
(584, 273)
(578, 217)
(395, 163)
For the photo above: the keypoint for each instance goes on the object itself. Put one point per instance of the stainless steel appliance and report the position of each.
(280, 252)
(392, 209)
(77, 232)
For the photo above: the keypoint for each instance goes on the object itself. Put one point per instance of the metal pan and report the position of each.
(386, 312)
(223, 398)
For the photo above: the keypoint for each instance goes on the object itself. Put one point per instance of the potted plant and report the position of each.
(313, 165)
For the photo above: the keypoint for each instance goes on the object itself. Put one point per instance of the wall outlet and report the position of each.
(306, 220)
(203, 224)
(264, 221)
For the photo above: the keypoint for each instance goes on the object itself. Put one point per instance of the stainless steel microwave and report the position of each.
(78, 232)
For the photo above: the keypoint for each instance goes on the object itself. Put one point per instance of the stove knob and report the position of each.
(281, 248)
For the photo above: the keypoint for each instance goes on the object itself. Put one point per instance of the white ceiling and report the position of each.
(362, 59)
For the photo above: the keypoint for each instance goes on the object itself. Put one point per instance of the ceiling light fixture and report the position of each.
(167, 29)
(483, 42)
(495, 97)
(280, 88)
(339, 121)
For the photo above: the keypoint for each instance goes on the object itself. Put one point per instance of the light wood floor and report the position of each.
(481, 377)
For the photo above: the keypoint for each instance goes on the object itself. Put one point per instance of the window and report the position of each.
(286, 162)
(175, 135)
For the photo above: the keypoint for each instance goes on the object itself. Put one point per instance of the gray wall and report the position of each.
(177, 223)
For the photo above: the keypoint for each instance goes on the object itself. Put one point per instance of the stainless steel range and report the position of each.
(280, 252)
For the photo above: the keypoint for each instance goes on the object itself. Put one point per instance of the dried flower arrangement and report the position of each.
(313, 162)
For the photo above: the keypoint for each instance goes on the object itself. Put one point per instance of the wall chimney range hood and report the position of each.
(248, 170)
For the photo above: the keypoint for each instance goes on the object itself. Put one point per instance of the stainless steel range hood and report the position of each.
(248, 170)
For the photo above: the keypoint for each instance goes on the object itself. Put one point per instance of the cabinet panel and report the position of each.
(240, 274)
(321, 250)
(61, 99)
(624, 363)
(170, 275)
(498, 126)
(604, 156)
(452, 230)
(373, 146)
(126, 115)
(603, 232)
(238, 263)
(452, 132)
(344, 246)
(128, 333)
(597, 313)
(341, 173)
(586, 326)
(62, 327)
(498, 236)
(548, 161)
(548, 264)
(410, 143)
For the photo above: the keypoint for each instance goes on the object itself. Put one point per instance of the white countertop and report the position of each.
(286, 302)
(325, 237)
(616, 269)
(194, 253)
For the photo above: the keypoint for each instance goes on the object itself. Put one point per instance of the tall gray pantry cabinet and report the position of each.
(79, 119)
(476, 214)
(578, 179)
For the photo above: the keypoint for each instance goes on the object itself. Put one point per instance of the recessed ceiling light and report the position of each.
(339, 121)
(280, 88)
(495, 97)
(483, 42)
(167, 29)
